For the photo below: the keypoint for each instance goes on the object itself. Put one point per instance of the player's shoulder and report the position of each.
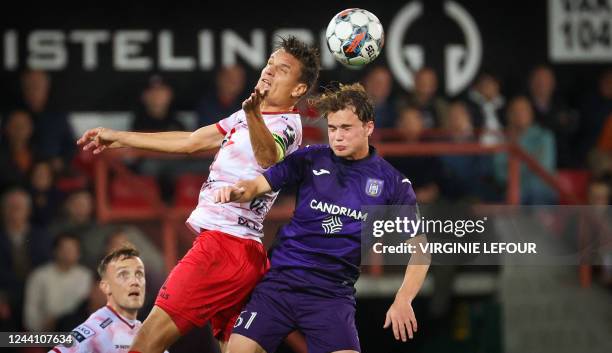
(389, 172)
(291, 118)
(93, 327)
(235, 115)
(99, 320)
(315, 150)
(290, 114)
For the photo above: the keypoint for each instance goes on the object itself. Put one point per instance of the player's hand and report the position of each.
(252, 104)
(229, 194)
(400, 317)
(98, 140)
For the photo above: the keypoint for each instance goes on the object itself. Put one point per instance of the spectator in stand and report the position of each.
(226, 98)
(597, 108)
(538, 142)
(56, 293)
(16, 151)
(155, 112)
(424, 172)
(46, 198)
(52, 132)
(116, 240)
(22, 248)
(424, 98)
(486, 105)
(468, 176)
(458, 123)
(79, 219)
(551, 113)
(378, 84)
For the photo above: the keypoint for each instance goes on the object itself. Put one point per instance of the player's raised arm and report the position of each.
(266, 150)
(202, 139)
(243, 191)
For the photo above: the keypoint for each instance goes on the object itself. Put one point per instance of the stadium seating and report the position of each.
(187, 190)
(134, 192)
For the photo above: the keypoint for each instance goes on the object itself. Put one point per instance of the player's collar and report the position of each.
(294, 111)
(130, 323)
(371, 154)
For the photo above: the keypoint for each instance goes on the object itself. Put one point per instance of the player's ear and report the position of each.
(369, 128)
(104, 287)
(299, 90)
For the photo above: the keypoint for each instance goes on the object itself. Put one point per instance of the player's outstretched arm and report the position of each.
(400, 315)
(267, 151)
(205, 138)
(243, 191)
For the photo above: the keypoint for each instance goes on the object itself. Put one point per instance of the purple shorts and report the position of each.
(275, 310)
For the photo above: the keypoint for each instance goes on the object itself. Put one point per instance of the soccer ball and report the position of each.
(355, 37)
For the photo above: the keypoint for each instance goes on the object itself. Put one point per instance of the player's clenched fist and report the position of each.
(99, 139)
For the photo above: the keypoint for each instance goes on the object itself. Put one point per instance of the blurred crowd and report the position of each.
(50, 241)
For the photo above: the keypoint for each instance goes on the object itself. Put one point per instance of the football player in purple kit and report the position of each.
(310, 284)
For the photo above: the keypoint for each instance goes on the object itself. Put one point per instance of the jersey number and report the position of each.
(249, 321)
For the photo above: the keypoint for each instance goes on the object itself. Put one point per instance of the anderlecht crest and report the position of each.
(374, 187)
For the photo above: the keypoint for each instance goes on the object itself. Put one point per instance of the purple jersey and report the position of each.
(320, 249)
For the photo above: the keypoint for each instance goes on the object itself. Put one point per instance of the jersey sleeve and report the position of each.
(287, 135)
(227, 124)
(405, 197)
(84, 341)
(404, 193)
(288, 172)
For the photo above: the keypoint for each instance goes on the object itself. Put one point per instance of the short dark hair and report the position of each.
(125, 252)
(346, 96)
(307, 55)
(63, 236)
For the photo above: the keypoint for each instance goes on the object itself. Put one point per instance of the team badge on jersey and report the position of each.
(374, 187)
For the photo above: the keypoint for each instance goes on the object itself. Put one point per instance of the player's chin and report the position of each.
(135, 304)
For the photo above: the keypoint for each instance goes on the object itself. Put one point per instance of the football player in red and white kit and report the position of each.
(213, 280)
(112, 328)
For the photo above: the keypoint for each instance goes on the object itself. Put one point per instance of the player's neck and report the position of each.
(128, 314)
(272, 108)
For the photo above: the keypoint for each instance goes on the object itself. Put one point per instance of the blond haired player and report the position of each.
(113, 327)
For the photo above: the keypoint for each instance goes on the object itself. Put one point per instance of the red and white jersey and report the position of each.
(105, 331)
(236, 161)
